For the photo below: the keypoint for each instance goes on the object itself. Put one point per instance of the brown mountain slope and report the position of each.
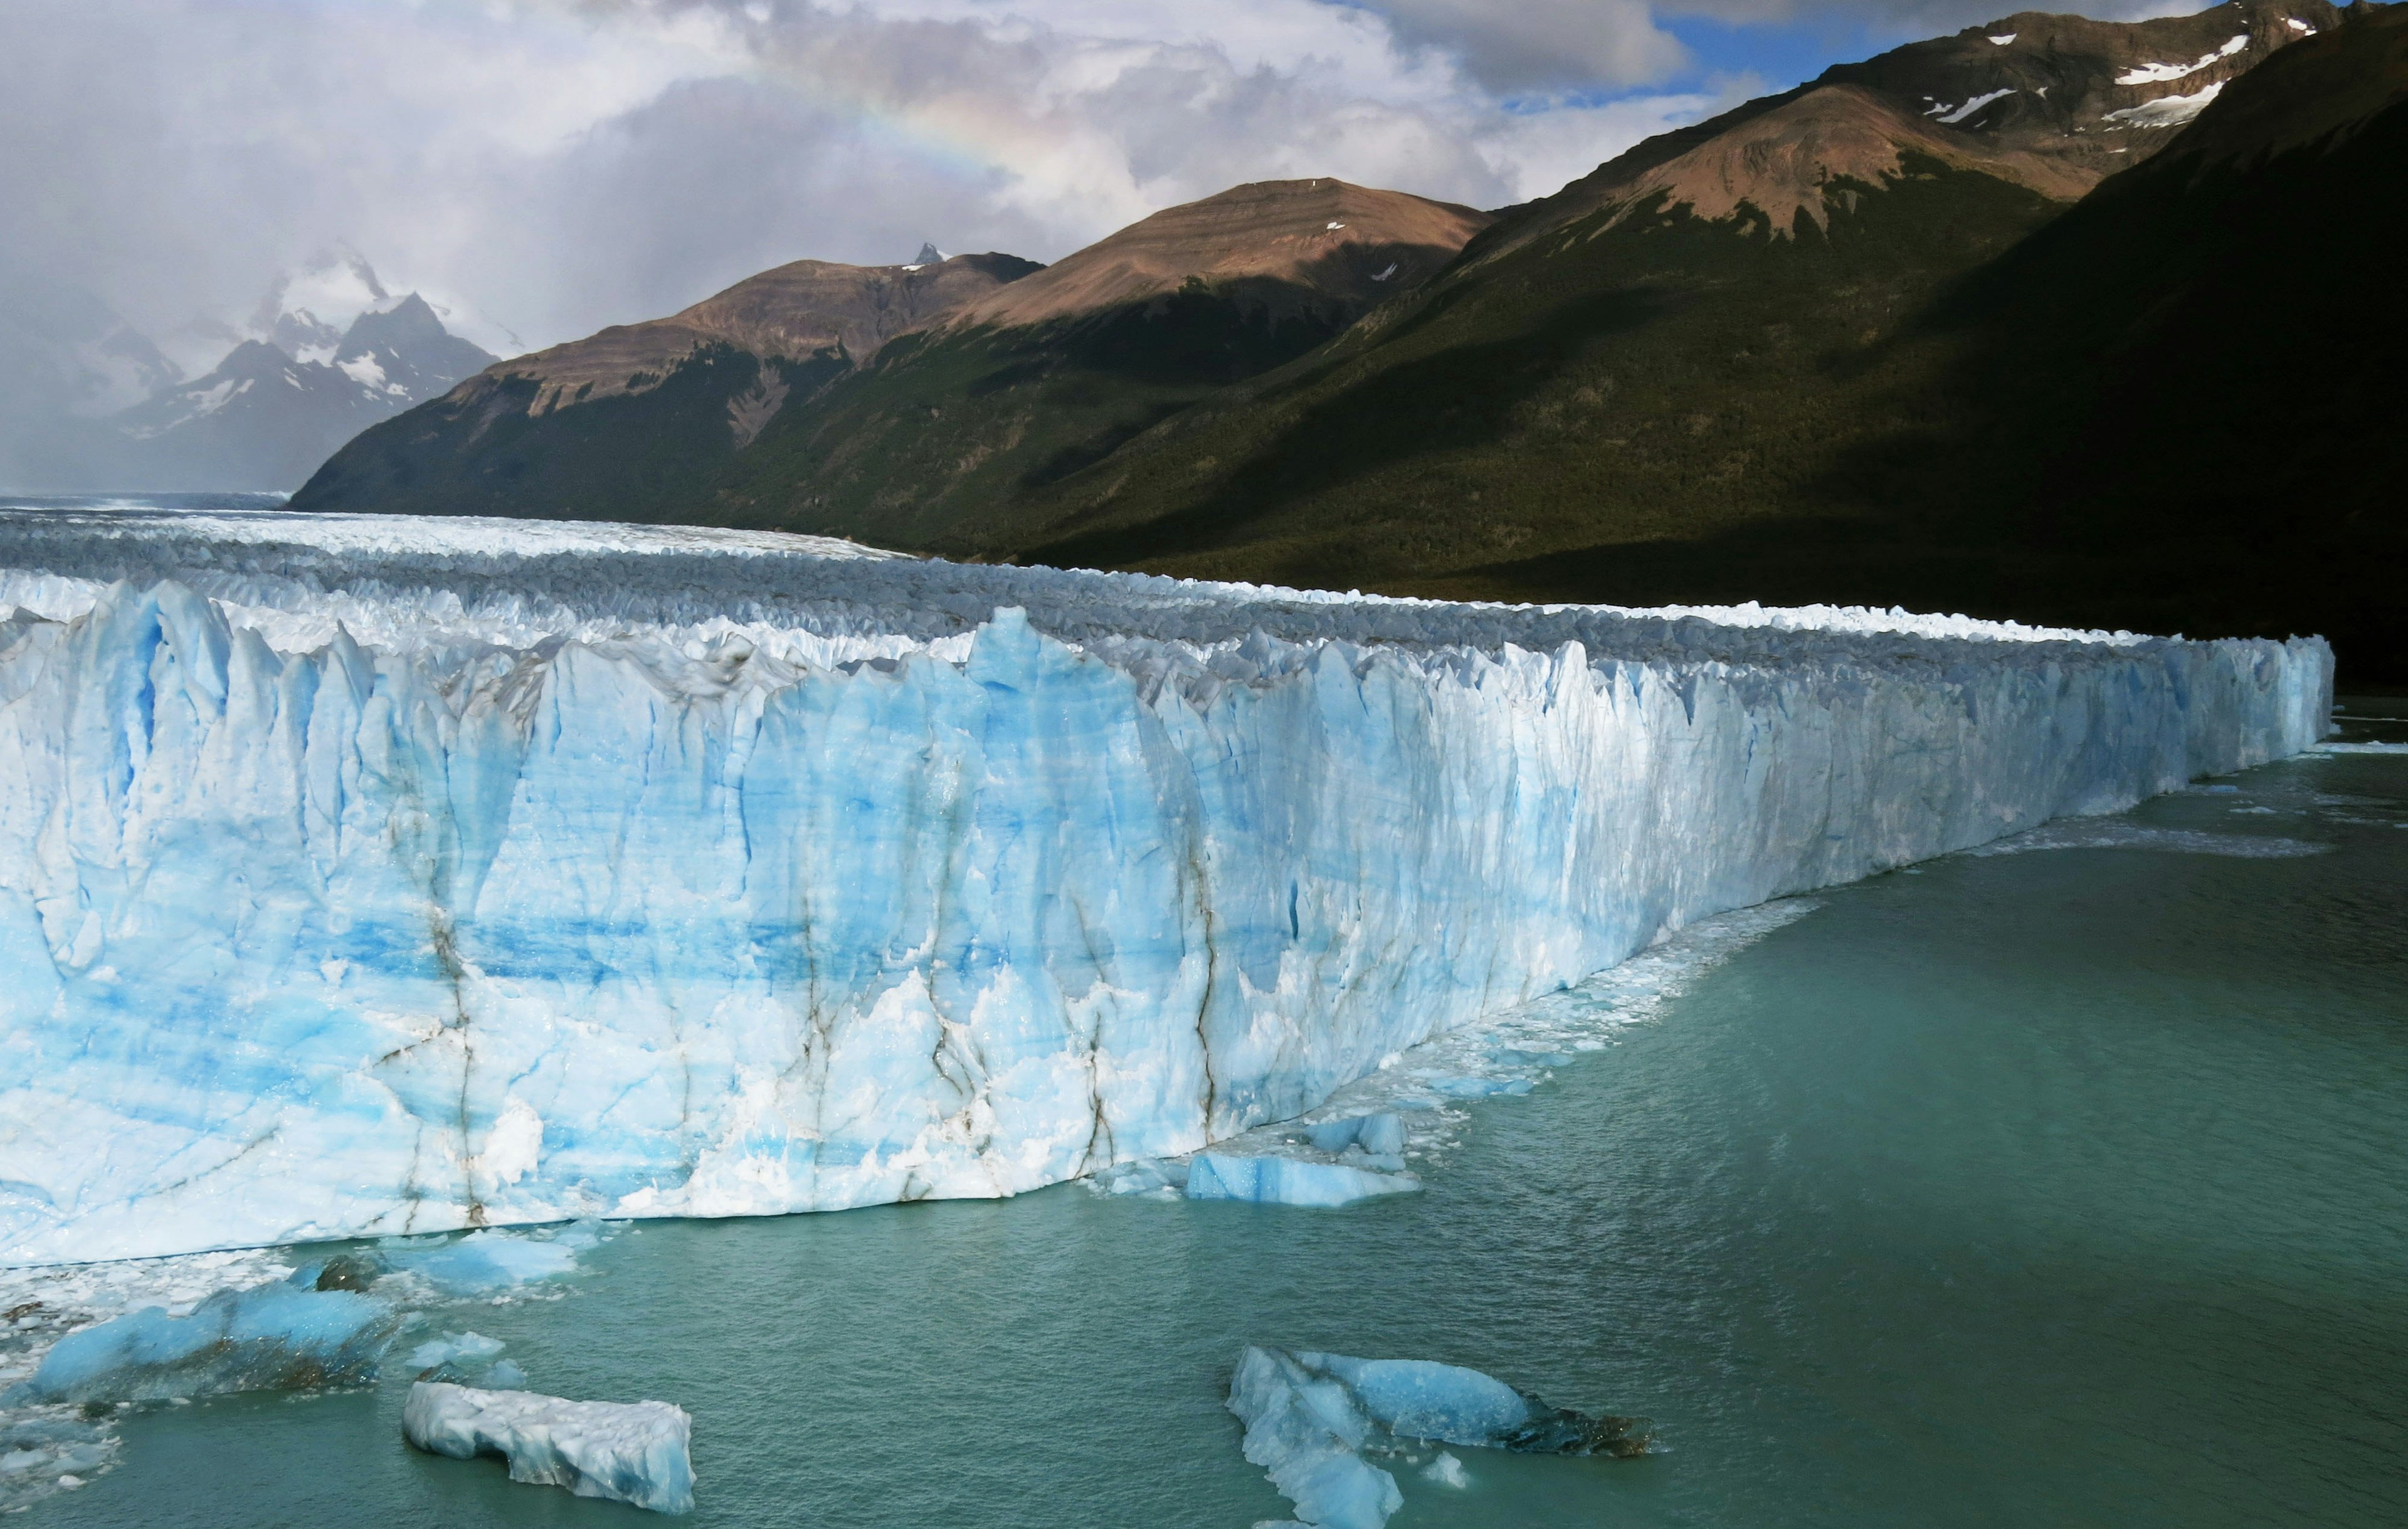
(2053, 103)
(791, 313)
(1282, 245)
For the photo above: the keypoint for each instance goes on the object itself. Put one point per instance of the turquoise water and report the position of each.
(2051, 1188)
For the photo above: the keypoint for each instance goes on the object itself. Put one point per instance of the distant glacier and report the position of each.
(364, 875)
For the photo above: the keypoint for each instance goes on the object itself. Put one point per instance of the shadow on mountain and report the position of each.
(1462, 396)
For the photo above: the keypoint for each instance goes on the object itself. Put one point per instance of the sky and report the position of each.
(539, 169)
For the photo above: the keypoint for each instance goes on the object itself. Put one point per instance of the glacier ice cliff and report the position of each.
(363, 877)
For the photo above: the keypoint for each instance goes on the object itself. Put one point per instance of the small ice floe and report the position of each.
(1380, 1135)
(45, 1451)
(269, 1337)
(1447, 1471)
(2111, 833)
(632, 1453)
(1162, 1177)
(466, 1359)
(491, 1263)
(2359, 748)
(1289, 1181)
(1314, 1421)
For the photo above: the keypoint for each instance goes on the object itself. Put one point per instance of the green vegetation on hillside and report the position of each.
(945, 425)
(1635, 375)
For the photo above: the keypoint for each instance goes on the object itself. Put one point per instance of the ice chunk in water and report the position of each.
(1311, 1417)
(1307, 1435)
(46, 1451)
(626, 1451)
(1383, 1133)
(1286, 1180)
(454, 1347)
(491, 1262)
(1447, 1471)
(269, 1337)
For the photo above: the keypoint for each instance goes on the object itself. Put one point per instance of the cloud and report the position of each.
(1906, 18)
(544, 167)
(1542, 44)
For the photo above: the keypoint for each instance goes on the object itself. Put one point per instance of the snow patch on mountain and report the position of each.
(2167, 111)
(2150, 73)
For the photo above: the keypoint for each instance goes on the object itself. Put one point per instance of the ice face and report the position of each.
(1289, 1181)
(1383, 1132)
(269, 1337)
(632, 1453)
(1311, 1418)
(406, 884)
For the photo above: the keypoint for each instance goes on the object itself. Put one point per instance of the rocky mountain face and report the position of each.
(639, 420)
(2172, 407)
(262, 419)
(895, 401)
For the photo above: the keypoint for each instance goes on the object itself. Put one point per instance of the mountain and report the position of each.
(401, 351)
(2070, 320)
(634, 422)
(900, 401)
(65, 356)
(1754, 360)
(261, 420)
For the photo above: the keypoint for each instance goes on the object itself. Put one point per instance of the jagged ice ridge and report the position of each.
(367, 875)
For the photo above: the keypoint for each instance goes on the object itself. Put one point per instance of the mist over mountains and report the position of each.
(89, 404)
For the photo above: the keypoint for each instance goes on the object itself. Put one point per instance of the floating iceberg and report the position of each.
(487, 1263)
(360, 877)
(455, 1349)
(626, 1451)
(1310, 1419)
(1381, 1131)
(269, 1337)
(1289, 1181)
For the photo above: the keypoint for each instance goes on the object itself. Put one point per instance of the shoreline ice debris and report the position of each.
(45, 1451)
(269, 1337)
(1311, 1418)
(632, 1453)
(500, 883)
(1289, 1181)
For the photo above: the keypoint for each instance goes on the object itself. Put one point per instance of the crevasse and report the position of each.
(354, 892)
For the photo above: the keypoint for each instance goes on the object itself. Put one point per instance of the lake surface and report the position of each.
(2059, 1187)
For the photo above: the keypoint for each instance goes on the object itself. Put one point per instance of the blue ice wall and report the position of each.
(403, 895)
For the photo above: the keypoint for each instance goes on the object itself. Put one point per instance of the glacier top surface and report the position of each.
(406, 581)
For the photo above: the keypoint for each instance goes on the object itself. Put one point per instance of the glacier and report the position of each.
(362, 875)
